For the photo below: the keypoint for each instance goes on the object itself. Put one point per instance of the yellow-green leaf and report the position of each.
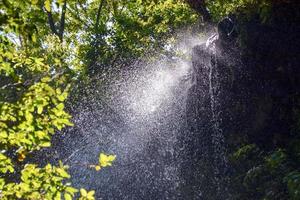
(28, 116)
(62, 173)
(34, 2)
(97, 167)
(45, 144)
(46, 79)
(67, 196)
(83, 192)
(106, 160)
(39, 109)
(60, 106)
(90, 194)
(71, 190)
(48, 5)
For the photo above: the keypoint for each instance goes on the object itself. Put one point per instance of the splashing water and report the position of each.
(141, 121)
(220, 161)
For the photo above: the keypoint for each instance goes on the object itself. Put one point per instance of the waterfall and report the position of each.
(160, 121)
(205, 150)
(140, 120)
(220, 161)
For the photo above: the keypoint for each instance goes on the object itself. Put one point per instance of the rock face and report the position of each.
(197, 141)
(206, 106)
(255, 83)
(215, 65)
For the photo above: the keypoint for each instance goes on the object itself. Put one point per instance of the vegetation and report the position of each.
(220, 9)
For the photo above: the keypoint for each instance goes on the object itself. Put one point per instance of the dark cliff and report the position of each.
(255, 78)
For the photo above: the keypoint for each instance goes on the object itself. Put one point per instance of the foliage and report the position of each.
(104, 161)
(123, 30)
(293, 183)
(33, 93)
(222, 8)
(36, 74)
(264, 175)
(31, 109)
(39, 183)
(244, 152)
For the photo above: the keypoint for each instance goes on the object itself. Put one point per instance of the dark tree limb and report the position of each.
(200, 7)
(98, 14)
(95, 51)
(53, 28)
(51, 23)
(62, 21)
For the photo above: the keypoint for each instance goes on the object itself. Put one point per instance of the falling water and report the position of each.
(139, 116)
(220, 162)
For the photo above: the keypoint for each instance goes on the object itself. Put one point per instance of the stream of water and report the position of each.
(141, 123)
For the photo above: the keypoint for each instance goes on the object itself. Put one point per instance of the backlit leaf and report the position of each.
(48, 5)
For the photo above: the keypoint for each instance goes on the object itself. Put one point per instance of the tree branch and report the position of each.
(98, 15)
(62, 21)
(51, 23)
(200, 7)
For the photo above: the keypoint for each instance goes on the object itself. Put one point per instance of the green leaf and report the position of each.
(3, 134)
(41, 134)
(67, 196)
(29, 117)
(106, 160)
(97, 167)
(83, 192)
(60, 106)
(67, 122)
(33, 38)
(71, 190)
(62, 173)
(61, 97)
(57, 196)
(48, 5)
(46, 79)
(90, 194)
(60, 2)
(34, 2)
(39, 109)
(45, 144)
